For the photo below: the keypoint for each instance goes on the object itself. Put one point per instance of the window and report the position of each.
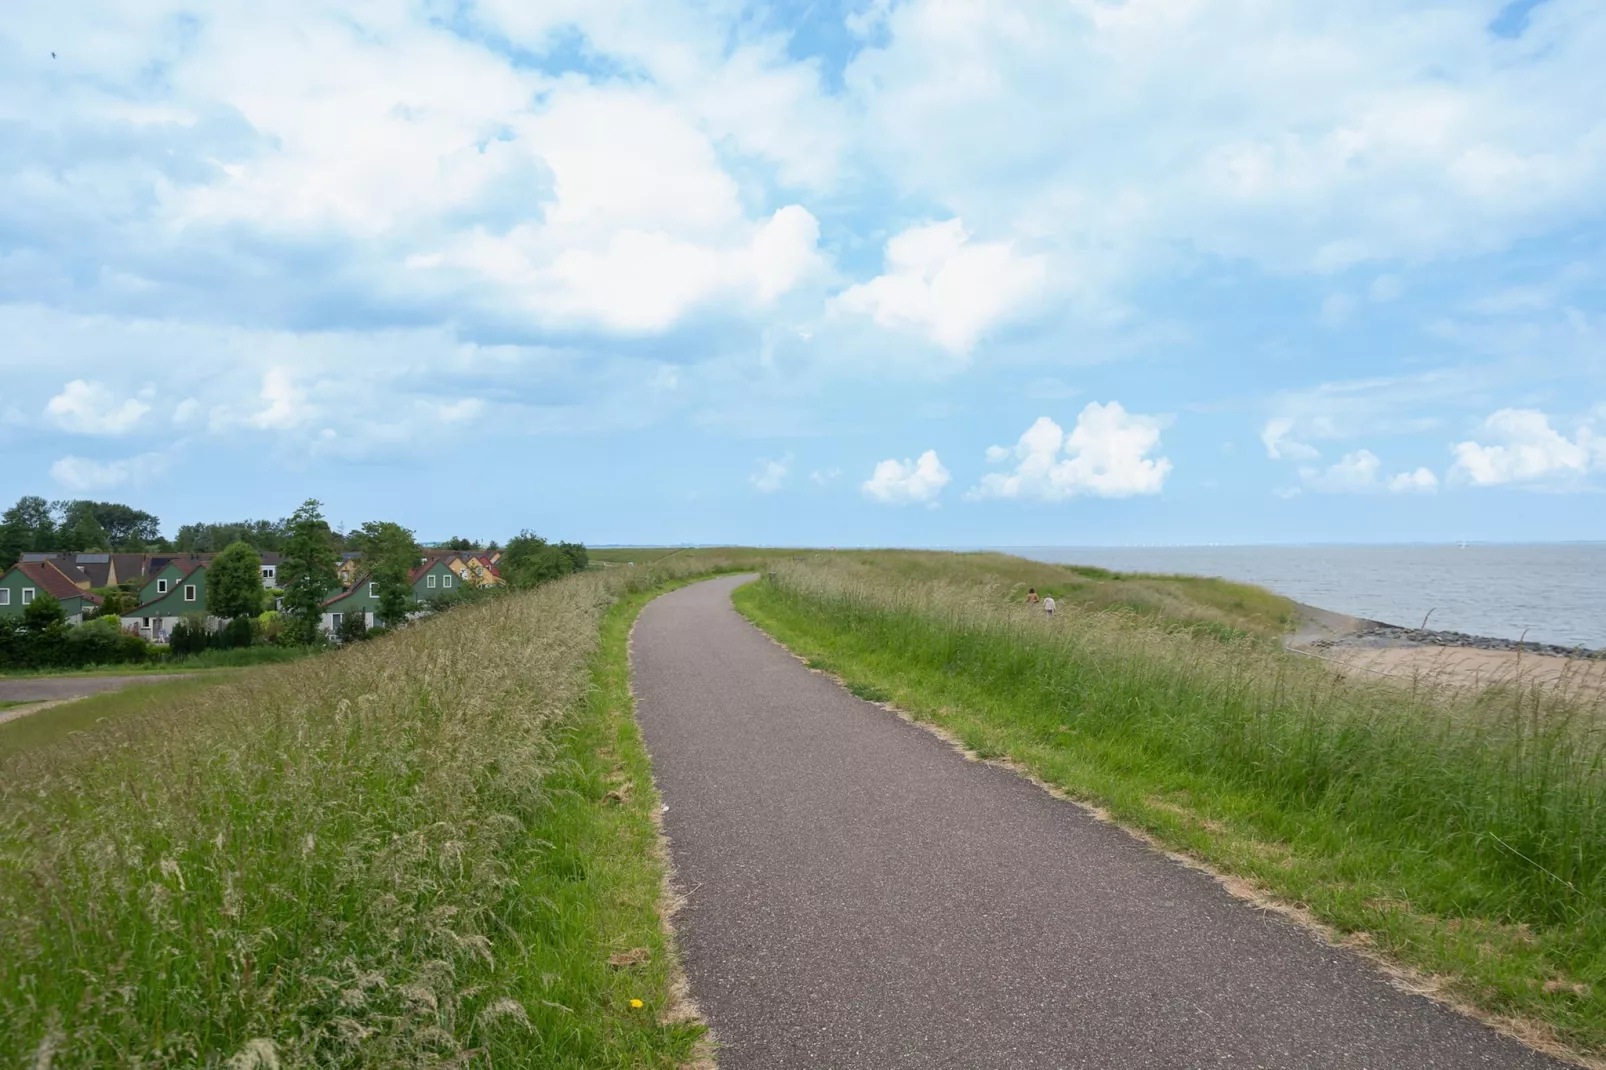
(335, 619)
(161, 586)
(27, 595)
(267, 572)
(148, 622)
(189, 592)
(5, 596)
(446, 581)
(430, 582)
(373, 589)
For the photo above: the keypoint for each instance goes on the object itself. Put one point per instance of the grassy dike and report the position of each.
(420, 851)
(1463, 841)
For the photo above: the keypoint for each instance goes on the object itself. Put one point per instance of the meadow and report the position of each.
(416, 851)
(1459, 833)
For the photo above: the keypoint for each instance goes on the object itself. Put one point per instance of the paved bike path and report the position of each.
(861, 897)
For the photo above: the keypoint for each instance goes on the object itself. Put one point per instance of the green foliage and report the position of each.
(390, 553)
(234, 583)
(261, 535)
(84, 533)
(28, 525)
(353, 628)
(307, 570)
(58, 646)
(126, 528)
(530, 560)
(460, 545)
(43, 612)
(190, 635)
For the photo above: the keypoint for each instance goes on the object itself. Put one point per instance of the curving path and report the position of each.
(860, 897)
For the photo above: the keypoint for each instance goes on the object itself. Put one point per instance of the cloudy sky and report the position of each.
(935, 272)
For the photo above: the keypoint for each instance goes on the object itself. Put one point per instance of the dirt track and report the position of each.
(42, 692)
(861, 896)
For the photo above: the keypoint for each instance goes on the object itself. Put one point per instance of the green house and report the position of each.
(26, 580)
(162, 579)
(430, 580)
(175, 592)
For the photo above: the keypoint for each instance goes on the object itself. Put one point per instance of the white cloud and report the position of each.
(825, 477)
(1279, 446)
(1315, 138)
(771, 475)
(943, 286)
(286, 402)
(1358, 472)
(185, 411)
(82, 474)
(1526, 449)
(997, 453)
(1421, 481)
(1107, 455)
(91, 408)
(904, 482)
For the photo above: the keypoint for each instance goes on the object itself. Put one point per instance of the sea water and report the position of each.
(1556, 593)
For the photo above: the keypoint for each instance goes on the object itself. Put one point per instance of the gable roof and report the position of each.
(183, 575)
(53, 581)
(355, 588)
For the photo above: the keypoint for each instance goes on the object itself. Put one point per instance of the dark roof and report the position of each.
(349, 591)
(193, 568)
(80, 568)
(53, 581)
(130, 566)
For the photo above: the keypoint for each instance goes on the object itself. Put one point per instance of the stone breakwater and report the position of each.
(1381, 635)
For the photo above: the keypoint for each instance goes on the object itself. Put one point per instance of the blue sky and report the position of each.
(919, 272)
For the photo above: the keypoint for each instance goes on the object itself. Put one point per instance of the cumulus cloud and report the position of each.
(896, 482)
(940, 284)
(82, 474)
(1524, 448)
(284, 402)
(91, 408)
(1358, 473)
(771, 475)
(1107, 455)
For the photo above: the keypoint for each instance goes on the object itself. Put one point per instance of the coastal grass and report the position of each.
(1460, 834)
(422, 850)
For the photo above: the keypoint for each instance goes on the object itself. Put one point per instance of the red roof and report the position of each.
(54, 582)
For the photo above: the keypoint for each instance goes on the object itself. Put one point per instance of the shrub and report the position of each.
(189, 636)
(237, 633)
(353, 628)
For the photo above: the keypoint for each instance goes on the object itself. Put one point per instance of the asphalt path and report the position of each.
(861, 897)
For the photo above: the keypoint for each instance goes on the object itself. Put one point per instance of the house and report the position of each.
(475, 568)
(270, 568)
(23, 582)
(166, 571)
(176, 592)
(431, 579)
(350, 567)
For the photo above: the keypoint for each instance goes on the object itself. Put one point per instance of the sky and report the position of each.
(812, 272)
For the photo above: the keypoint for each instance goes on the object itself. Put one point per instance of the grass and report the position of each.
(208, 659)
(1463, 835)
(417, 851)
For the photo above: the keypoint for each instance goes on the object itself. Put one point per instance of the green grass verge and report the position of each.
(420, 851)
(240, 658)
(1361, 827)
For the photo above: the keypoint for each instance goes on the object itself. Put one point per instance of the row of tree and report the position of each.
(72, 526)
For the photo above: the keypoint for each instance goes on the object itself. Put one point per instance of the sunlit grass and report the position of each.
(416, 851)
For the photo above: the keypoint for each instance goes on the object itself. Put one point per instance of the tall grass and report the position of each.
(1487, 806)
(391, 855)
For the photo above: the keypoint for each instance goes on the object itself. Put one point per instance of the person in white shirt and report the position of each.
(1048, 605)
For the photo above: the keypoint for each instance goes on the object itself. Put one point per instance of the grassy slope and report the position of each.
(1425, 895)
(396, 854)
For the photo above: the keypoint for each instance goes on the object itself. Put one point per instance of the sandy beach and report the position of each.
(1448, 659)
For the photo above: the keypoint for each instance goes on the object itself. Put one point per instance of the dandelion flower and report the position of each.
(637, 1004)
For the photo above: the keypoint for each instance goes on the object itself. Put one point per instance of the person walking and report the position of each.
(1048, 605)
(1031, 595)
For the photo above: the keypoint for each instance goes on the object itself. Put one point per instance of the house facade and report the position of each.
(174, 593)
(26, 580)
(431, 579)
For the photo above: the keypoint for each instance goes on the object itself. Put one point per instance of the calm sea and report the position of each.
(1556, 592)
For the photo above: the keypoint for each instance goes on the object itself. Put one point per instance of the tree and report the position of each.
(28, 525)
(234, 583)
(43, 613)
(390, 553)
(210, 538)
(307, 570)
(530, 560)
(127, 528)
(460, 545)
(84, 533)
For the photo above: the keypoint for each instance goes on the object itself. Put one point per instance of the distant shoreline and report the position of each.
(1323, 629)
